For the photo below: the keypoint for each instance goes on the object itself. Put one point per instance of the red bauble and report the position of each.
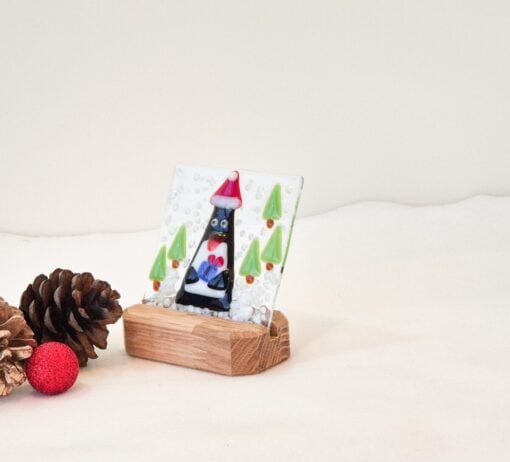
(52, 368)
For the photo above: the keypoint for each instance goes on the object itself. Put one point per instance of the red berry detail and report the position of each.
(270, 223)
(175, 264)
(269, 266)
(52, 368)
(250, 279)
(156, 285)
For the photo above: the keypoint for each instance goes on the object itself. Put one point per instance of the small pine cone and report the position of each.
(71, 308)
(16, 345)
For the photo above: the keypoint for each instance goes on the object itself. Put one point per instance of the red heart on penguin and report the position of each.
(215, 261)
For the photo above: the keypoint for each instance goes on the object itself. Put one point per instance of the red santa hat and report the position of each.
(228, 195)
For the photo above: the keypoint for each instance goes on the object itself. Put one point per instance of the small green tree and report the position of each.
(158, 270)
(177, 251)
(250, 268)
(273, 209)
(272, 253)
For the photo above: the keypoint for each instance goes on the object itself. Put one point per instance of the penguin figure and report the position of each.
(209, 279)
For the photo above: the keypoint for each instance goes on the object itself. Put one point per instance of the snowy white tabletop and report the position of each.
(400, 321)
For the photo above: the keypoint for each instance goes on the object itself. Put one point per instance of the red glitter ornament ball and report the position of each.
(52, 368)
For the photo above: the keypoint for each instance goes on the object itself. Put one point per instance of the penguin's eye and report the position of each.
(224, 224)
(214, 222)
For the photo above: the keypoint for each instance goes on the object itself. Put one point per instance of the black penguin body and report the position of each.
(209, 279)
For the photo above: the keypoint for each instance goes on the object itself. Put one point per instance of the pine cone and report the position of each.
(16, 345)
(73, 309)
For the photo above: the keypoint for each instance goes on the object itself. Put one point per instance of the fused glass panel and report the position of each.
(223, 243)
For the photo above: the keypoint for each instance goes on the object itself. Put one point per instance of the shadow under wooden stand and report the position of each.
(202, 342)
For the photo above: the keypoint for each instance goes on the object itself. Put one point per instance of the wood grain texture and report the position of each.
(206, 343)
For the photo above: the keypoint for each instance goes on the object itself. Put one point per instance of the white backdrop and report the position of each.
(404, 101)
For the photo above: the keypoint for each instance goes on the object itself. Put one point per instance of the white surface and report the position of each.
(399, 327)
(406, 101)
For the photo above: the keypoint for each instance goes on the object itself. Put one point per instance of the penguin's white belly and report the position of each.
(206, 257)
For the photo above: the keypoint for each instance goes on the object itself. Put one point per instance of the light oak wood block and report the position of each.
(202, 342)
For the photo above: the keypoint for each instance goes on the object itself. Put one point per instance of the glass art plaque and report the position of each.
(224, 243)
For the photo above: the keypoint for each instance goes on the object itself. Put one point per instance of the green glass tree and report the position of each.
(250, 268)
(272, 253)
(158, 270)
(177, 251)
(273, 208)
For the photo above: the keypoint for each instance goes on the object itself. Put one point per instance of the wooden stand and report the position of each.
(203, 342)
